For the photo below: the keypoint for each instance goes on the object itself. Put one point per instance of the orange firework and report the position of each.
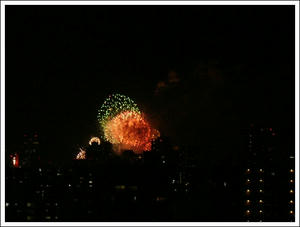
(81, 154)
(94, 140)
(131, 131)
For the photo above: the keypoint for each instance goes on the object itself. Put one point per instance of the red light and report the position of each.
(15, 160)
(271, 129)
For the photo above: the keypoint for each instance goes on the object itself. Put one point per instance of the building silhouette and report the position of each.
(268, 185)
(164, 184)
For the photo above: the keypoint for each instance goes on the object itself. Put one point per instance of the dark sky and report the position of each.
(235, 64)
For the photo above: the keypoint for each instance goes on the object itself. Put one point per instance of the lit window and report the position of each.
(261, 170)
(248, 180)
(291, 201)
(291, 170)
(291, 181)
(248, 190)
(120, 187)
(291, 212)
(90, 182)
(47, 217)
(28, 204)
(248, 170)
(291, 191)
(247, 211)
(260, 201)
(6, 204)
(260, 180)
(247, 201)
(260, 190)
(260, 211)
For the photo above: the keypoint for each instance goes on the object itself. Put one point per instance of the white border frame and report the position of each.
(295, 3)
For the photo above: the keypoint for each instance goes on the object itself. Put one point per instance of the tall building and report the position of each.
(30, 154)
(268, 186)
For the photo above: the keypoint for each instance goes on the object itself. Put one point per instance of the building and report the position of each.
(30, 153)
(268, 186)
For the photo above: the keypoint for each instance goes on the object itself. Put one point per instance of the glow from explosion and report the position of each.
(94, 140)
(124, 126)
(81, 154)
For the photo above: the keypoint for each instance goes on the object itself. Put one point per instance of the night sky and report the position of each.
(235, 65)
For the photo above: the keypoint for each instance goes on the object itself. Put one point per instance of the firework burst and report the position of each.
(131, 131)
(124, 125)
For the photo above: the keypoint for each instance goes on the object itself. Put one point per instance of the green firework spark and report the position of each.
(114, 105)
